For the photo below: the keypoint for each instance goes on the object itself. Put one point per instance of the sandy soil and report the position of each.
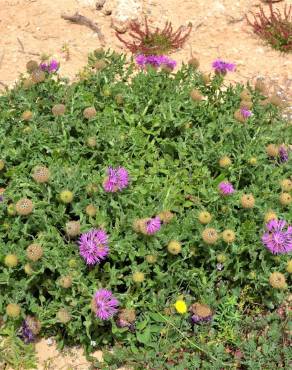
(29, 28)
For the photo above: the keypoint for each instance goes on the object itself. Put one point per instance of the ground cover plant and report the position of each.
(275, 28)
(142, 208)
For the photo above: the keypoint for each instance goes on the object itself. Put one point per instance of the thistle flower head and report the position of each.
(174, 247)
(66, 281)
(38, 76)
(27, 115)
(272, 150)
(228, 236)
(200, 313)
(138, 277)
(269, 216)
(205, 217)
(289, 267)
(72, 228)
(194, 63)
(89, 112)
(50, 67)
(11, 260)
(30, 328)
(153, 225)
(41, 174)
(91, 210)
(246, 113)
(277, 280)
(63, 316)
(286, 185)
(285, 199)
(226, 188)
(283, 154)
(58, 109)
(34, 252)
(246, 104)
(93, 246)
(247, 201)
(225, 161)
(278, 237)
(104, 304)
(210, 236)
(13, 310)
(66, 196)
(126, 318)
(31, 66)
(166, 216)
(196, 95)
(2, 164)
(222, 67)
(24, 207)
(151, 258)
(117, 179)
(155, 61)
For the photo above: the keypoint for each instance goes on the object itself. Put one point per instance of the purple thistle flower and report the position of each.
(246, 113)
(117, 179)
(1, 198)
(105, 304)
(155, 61)
(226, 188)
(153, 225)
(93, 246)
(283, 154)
(50, 67)
(222, 67)
(196, 319)
(278, 238)
(25, 332)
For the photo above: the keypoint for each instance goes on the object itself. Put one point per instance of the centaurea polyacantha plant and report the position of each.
(130, 222)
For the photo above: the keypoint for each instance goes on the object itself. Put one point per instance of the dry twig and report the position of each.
(84, 21)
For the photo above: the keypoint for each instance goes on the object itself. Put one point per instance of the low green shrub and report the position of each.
(178, 150)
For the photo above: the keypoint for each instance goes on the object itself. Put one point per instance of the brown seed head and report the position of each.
(58, 109)
(196, 95)
(89, 112)
(210, 236)
(34, 252)
(277, 280)
(73, 228)
(26, 115)
(31, 66)
(194, 63)
(247, 201)
(41, 174)
(24, 207)
(272, 150)
(38, 76)
(99, 65)
(201, 310)
(66, 281)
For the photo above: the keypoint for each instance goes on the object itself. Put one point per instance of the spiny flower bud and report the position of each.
(38, 76)
(13, 310)
(91, 142)
(28, 269)
(34, 252)
(119, 99)
(247, 201)
(285, 199)
(90, 210)
(33, 324)
(27, 115)
(225, 162)
(286, 185)
(89, 112)
(72, 228)
(138, 277)
(239, 116)
(174, 247)
(206, 78)
(66, 196)
(24, 207)
(245, 95)
(221, 258)
(58, 109)
(99, 65)
(165, 216)
(210, 236)
(31, 66)
(277, 280)
(138, 224)
(269, 216)
(151, 258)
(91, 189)
(253, 161)
(11, 260)
(228, 236)
(196, 95)
(72, 263)
(289, 267)
(272, 150)
(41, 174)
(63, 316)
(66, 281)
(246, 104)
(205, 217)
(277, 101)
(11, 210)
(194, 63)
(28, 83)
(126, 317)
(261, 87)
(2, 164)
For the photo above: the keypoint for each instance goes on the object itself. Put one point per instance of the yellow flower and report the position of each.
(180, 306)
